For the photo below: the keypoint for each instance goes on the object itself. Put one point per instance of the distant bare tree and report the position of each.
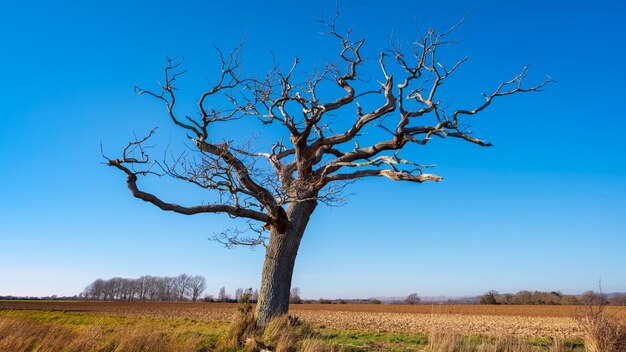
(374, 300)
(570, 300)
(255, 296)
(592, 298)
(618, 300)
(142, 288)
(489, 298)
(413, 298)
(523, 297)
(278, 189)
(154, 288)
(294, 296)
(95, 290)
(198, 285)
(238, 293)
(183, 286)
(221, 296)
(168, 288)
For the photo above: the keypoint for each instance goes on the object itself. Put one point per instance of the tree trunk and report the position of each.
(280, 258)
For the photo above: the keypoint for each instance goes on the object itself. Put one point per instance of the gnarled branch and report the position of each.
(310, 161)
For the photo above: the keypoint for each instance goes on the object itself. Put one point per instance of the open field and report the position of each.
(197, 326)
(520, 321)
(131, 326)
(219, 309)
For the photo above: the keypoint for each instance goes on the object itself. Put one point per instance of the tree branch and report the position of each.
(390, 174)
(131, 181)
(310, 161)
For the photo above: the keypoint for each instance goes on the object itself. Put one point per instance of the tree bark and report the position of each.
(280, 258)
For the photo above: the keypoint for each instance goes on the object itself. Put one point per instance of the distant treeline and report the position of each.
(147, 288)
(45, 298)
(552, 298)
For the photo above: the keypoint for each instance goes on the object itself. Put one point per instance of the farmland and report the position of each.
(370, 323)
(522, 321)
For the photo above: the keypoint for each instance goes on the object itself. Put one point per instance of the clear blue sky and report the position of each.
(542, 210)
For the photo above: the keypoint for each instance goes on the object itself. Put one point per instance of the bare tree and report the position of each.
(413, 298)
(593, 298)
(278, 189)
(198, 285)
(254, 297)
(221, 296)
(238, 293)
(489, 298)
(155, 288)
(294, 296)
(182, 284)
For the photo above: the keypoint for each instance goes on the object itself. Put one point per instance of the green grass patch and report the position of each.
(359, 340)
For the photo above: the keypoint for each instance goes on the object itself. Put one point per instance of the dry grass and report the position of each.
(282, 334)
(446, 342)
(239, 331)
(16, 336)
(285, 331)
(76, 332)
(317, 345)
(603, 332)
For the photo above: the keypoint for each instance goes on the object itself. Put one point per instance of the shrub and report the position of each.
(602, 332)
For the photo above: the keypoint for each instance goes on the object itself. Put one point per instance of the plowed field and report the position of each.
(523, 321)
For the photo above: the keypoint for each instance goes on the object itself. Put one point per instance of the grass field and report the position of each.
(127, 326)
